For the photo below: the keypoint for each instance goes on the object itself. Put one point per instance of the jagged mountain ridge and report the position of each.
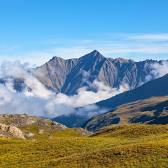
(67, 76)
(53, 73)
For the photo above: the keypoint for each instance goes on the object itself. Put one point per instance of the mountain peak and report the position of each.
(95, 52)
(55, 58)
(94, 55)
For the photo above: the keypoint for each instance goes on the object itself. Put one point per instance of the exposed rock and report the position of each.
(24, 126)
(67, 76)
(21, 120)
(11, 131)
(29, 135)
(53, 73)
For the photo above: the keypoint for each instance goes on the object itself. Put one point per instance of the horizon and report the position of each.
(105, 57)
(64, 58)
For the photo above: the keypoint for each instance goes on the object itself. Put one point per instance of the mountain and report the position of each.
(67, 76)
(130, 106)
(157, 87)
(84, 73)
(154, 88)
(53, 73)
(72, 120)
(149, 111)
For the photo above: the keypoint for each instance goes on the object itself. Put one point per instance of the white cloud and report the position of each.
(158, 70)
(42, 102)
(37, 100)
(151, 37)
(16, 70)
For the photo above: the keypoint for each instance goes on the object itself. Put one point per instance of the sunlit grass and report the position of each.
(118, 147)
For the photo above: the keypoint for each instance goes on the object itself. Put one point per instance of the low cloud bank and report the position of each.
(158, 70)
(36, 99)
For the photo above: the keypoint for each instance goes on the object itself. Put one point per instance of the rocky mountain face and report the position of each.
(54, 73)
(10, 131)
(67, 76)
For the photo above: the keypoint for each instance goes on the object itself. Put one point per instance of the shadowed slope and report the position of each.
(149, 111)
(157, 87)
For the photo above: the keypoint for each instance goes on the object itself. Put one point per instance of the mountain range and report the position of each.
(156, 88)
(68, 76)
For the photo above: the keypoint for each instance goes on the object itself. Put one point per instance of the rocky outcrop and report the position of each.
(27, 127)
(11, 131)
(21, 120)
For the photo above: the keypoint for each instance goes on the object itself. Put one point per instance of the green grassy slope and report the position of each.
(116, 146)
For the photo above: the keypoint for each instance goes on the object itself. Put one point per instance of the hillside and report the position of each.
(131, 131)
(24, 126)
(149, 111)
(157, 87)
(119, 146)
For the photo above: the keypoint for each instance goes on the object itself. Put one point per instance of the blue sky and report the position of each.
(35, 30)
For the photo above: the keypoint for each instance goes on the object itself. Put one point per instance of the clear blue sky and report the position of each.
(39, 29)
